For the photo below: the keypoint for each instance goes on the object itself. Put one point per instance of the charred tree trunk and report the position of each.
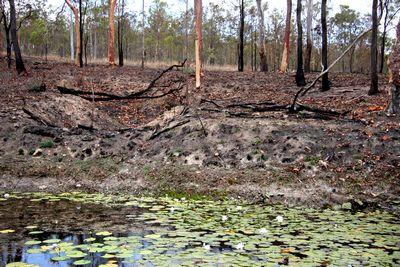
(261, 44)
(241, 38)
(300, 79)
(325, 78)
(19, 64)
(121, 34)
(286, 47)
(374, 50)
(307, 63)
(198, 6)
(394, 70)
(111, 33)
(80, 51)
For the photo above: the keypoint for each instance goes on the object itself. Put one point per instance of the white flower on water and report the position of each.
(206, 246)
(279, 218)
(239, 208)
(240, 246)
(224, 218)
(78, 185)
(263, 231)
(171, 209)
(6, 195)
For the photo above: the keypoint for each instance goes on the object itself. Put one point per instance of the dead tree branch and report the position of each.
(137, 95)
(168, 128)
(304, 90)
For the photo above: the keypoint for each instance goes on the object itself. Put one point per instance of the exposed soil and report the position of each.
(182, 145)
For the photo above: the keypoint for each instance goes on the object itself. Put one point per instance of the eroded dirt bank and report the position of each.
(53, 142)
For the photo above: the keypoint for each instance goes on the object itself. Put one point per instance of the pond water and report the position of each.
(77, 229)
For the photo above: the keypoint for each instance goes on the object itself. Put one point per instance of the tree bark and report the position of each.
(71, 36)
(394, 71)
(383, 43)
(241, 38)
(120, 34)
(77, 30)
(111, 33)
(198, 6)
(300, 79)
(19, 64)
(80, 51)
(286, 47)
(374, 50)
(325, 78)
(261, 44)
(8, 43)
(307, 63)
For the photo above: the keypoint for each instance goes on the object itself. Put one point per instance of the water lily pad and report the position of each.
(52, 241)
(104, 233)
(20, 264)
(35, 233)
(60, 258)
(82, 262)
(32, 242)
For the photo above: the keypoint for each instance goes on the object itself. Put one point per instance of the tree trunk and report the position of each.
(241, 38)
(143, 28)
(8, 44)
(111, 33)
(374, 50)
(71, 38)
(300, 79)
(120, 34)
(77, 30)
(394, 71)
(186, 51)
(261, 44)
(307, 63)
(325, 78)
(80, 51)
(383, 43)
(19, 64)
(198, 8)
(286, 47)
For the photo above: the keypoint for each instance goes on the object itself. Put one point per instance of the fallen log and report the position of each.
(102, 96)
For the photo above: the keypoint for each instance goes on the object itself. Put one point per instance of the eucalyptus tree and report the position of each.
(111, 32)
(309, 46)
(286, 40)
(324, 31)
(261, 44)
(19, 63)
(300, 79)
(374, 50)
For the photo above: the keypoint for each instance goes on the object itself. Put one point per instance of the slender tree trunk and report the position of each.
(143, 29)
(394, 71)
(374, 50)
(383, 43)
(325, 79)
(8, 44)
(307, 63)
(80, 51)
(71, 38)
(241, 38)
(77, 30)
(261, 43)
(121, 34)
(300, 79)
(111, 33)
(198, 8)
(186, 51)
(286, 47)
(19, 64)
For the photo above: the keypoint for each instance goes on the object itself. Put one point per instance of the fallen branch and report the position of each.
(108, 97)
(304, 90)
(166, 129)
(37, 118)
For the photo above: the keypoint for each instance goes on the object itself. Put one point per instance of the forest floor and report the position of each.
(219, 141)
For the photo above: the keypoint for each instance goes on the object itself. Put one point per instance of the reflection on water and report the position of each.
(93, 230)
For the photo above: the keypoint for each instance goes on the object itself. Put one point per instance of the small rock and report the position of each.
(38, 152)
